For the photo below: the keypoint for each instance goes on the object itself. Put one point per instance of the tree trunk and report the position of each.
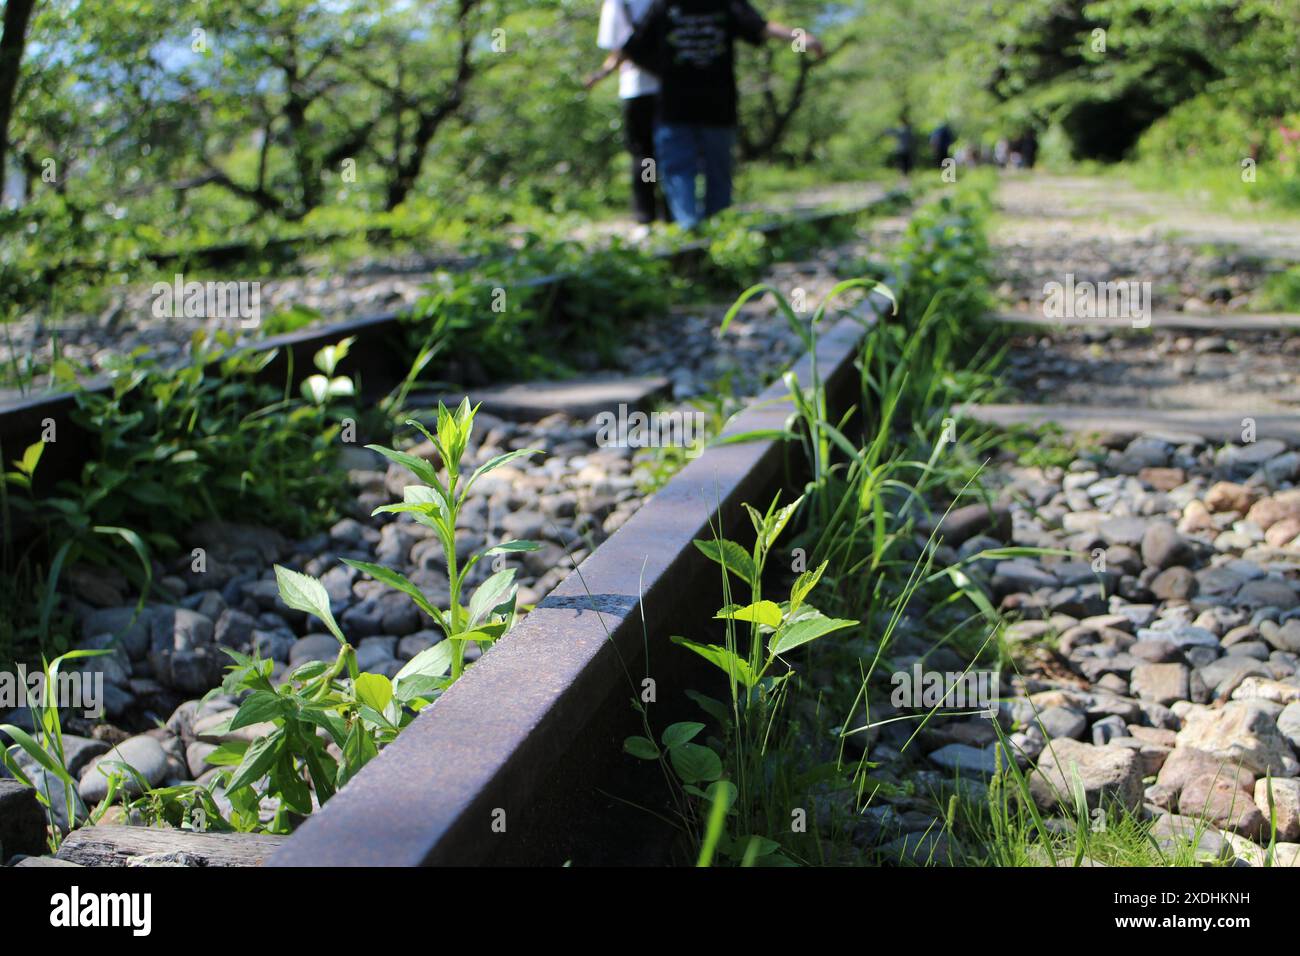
(12, 43)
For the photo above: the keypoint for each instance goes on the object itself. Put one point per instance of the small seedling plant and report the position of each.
(725, 774)
(328, 719)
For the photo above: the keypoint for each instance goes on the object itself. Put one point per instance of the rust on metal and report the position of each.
(455, 787)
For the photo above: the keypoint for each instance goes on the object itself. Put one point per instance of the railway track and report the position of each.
(375, 356)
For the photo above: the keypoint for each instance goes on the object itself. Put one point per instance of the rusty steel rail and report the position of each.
(520, 761)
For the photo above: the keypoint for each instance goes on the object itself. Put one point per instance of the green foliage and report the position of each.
(47, 752)
(359, 713)
(171, 447)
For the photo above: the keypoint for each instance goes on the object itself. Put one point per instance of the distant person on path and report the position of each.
(690, 46)
(639, 91)
(904, 145)
(941, 141)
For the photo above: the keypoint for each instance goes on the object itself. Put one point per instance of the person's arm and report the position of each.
(779, 31)
(612, 63)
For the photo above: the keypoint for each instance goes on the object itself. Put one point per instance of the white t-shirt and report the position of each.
(615, 28)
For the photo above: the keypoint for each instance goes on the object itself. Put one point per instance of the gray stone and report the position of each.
(1108, 729)
(1243, 731)
(1266, 592)
(412, 644)
(1284, 637)
(273, 645)
(313, 647)
(1163, 546)
(1173, 833)
(965, 759)
(1106, 775)
(1288, 724)
(131, 630)
(234, 629)
(143, 753)
(179, 629)
(1063, 722)
(1224, 675)
(970, 520)
(1174, 584)
(22, 820)
(1162, 683)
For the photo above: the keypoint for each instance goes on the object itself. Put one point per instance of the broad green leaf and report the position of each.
(31, 456)
(417, 466)
(431, 662)
(259, 706)
(492, 593)
(374, 690)
(675, 735)
(804, 630)
(730, 664)
(304, 593)
(695, 763)
(763, 612)
(735, 558)
(257, 761)
(398, 582)
(642, 747)
(803, 586)
(316, 389)
(511, 547)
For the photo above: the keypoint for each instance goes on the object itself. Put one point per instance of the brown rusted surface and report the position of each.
(528, 734)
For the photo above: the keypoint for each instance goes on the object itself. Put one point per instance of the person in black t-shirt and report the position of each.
(690, 46)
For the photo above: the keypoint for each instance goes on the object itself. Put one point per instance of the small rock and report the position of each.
(1284, 806)
(1105, 774)
(1162, 683)
(143, 753)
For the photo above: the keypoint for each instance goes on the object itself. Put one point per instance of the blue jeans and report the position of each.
(685, 150)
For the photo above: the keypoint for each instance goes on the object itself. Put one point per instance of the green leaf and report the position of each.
(492, 593)
(675, 735)
(417, 466)
(375, 690)
(729, 663)
(695, 764)
(31, 456)
(304, 593)
(38, 753)
(498, 461)
(735, 558)
(398, 582)
(803, 586)
(773, 529)
(804, 630)
(259, 706)
(641, 747)
(258, 760)
(511, 547)
(763, 612)
(431, 662)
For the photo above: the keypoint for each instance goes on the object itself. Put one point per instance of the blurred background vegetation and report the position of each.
(147, 126)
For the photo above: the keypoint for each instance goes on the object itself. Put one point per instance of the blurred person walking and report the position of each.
(639, 91)
(690, 46)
